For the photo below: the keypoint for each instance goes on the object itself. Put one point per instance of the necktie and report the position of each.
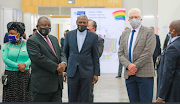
(50, 45)
(130, 45)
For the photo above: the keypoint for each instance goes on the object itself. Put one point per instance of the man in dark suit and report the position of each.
(48, 64)
(157, 51)
(169, 69)
(63, 39)
(166, 41)
(81, 48)
(92, 26)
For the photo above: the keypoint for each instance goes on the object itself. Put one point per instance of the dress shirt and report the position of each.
(80, 38)
(174, 38)
(134, 40)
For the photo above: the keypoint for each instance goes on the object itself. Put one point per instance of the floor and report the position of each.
(108, 89)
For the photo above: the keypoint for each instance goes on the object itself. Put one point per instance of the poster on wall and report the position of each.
(110, 25)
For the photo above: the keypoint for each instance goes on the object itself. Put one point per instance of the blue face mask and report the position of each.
(169, 35)
(12, 38)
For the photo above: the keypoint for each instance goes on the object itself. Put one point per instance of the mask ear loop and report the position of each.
(17, 40)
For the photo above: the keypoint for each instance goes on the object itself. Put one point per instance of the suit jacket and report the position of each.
(166, 41)
(157, 50)
(169, 73)
(142, 54)
(44, 76)
(62, 42)
(100, 46)
(87, 59)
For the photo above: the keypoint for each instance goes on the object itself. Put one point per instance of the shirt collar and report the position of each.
(81, 33)
(173, 39)
(41, 34)
(137, 29)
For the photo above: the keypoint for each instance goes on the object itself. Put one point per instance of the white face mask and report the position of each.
(135, 23)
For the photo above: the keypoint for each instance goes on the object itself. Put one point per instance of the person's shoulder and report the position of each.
(71, 32)
(52, 36)
(146, 28)
(99, 38)
(92, 33)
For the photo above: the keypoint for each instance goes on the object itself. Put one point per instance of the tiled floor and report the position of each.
(108, 89)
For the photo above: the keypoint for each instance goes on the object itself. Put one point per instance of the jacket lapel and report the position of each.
(127, 38)
(54, 46)
(141, 30)
(45, 43)
(85, 40)
(74, 40)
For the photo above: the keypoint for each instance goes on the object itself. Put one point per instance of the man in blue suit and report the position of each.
(81, 48)
(169, 69)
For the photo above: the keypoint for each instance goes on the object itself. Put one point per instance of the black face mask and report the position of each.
(45, 31)
(24, 37)
(82, 28)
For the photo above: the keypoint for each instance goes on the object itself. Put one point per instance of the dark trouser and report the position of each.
(91, 93)
(48, 97)
(79, 88)
(140, 89)
(120, 69)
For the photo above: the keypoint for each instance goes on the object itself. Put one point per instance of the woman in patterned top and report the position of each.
(15, 56)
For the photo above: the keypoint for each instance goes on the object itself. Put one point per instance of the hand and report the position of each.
(61, 67)
(132, 68)
(21, 67)
(159, 56)
(64, 77)
(130, 73)
(159, 100)
(95, 79)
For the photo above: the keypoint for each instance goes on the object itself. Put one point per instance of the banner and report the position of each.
(110, 25)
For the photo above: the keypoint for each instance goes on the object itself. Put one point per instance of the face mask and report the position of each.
(45, 31)
(82, 28)
(169, 34)
(135, 23)
(24, 37)
(12, 38)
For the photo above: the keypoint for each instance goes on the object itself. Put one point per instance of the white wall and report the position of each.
(16, 4)
(168, 11)
(2, 67)
(64, 24)
(147, 7)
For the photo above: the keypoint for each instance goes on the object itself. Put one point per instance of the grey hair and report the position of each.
(94, 24)
(135, 10)
(82, 16)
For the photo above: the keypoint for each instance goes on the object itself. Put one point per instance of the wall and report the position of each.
(145, 8)
(15, 4)
(32, 5)
(65, 23)
(168, 11)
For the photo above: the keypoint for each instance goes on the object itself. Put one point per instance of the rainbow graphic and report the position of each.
(119, 15)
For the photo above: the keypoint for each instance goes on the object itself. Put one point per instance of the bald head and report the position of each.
(43, 18)
(175, 26)
(44, 22)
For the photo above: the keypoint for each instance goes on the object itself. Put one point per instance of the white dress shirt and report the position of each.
(80, 38)
(134, 40)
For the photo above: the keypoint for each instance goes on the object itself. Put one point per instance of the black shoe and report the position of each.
(118, 76)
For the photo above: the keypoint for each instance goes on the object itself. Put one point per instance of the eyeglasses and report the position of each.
(136, 17)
